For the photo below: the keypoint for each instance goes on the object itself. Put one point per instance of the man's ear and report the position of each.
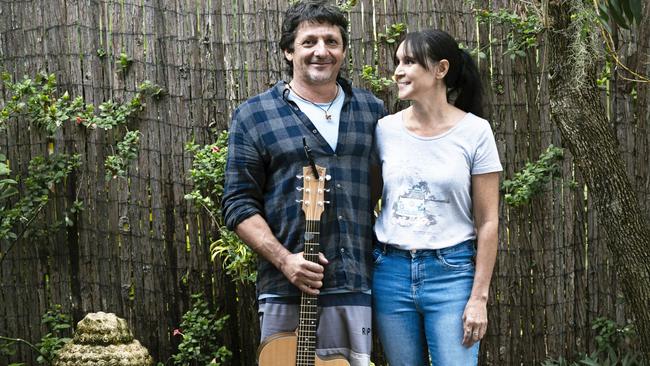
(441, 68)
(288, 55)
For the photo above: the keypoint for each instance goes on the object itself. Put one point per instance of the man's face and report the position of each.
(317, 53)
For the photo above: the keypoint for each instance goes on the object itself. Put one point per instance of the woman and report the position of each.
(437, 231)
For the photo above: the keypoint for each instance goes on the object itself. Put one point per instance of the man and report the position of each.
(269, 136)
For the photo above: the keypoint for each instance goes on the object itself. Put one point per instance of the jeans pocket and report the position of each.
(377, 256)
(459, 257)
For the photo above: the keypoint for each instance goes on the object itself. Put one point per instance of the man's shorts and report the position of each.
(344, 326)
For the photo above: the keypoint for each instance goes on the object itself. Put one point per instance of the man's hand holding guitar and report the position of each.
(304, 274)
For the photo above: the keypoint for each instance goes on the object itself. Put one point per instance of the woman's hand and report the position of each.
(474, 321)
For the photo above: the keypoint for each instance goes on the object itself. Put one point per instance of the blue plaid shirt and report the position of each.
(265, 153)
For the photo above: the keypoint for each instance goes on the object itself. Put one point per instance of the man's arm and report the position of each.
(305, 275)
(243, 208)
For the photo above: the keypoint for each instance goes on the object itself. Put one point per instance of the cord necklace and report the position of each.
(328, 116)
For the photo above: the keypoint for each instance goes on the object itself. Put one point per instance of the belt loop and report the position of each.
(384, 248)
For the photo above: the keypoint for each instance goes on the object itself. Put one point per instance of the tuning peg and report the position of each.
(299, 176)
(326, 202)
(328, 177)
(299, 189)
(298, 201)
(323, 190)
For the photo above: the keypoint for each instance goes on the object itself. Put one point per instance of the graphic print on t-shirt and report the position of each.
(416, 208)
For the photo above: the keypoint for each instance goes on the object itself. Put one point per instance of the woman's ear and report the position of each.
(441, 68)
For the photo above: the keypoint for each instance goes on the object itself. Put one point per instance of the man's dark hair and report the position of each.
(310, 11)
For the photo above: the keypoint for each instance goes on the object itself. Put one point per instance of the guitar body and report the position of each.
(280, 350)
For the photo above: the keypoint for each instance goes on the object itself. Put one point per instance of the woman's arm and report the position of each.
(485, 205)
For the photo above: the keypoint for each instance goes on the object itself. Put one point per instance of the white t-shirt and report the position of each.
(426, 203)
(328, 128)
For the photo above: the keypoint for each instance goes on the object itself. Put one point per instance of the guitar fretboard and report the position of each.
(308, 321)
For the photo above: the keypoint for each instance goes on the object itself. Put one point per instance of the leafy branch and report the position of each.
(40, 103)
(346, 5)
(58, 324)
(393, 33)
(522, 30)
(208, 176)
(623, 13)
(530, 181)
(8, 342)
(43, 175)
(36, 99)
(377, 83)
(124, 62)
(127, 150)
(199, 332)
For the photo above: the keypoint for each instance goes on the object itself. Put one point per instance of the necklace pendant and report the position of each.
(328, 116)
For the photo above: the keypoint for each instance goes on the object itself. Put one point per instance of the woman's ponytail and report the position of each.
(468, 85)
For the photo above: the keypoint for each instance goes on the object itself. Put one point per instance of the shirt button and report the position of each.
(340, 217)
(342, 250)
(315, 131)
(338, 185)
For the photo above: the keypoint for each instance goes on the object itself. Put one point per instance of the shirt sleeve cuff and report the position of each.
(236, 215)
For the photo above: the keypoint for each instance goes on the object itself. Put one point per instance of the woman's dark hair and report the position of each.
(432, 45)
(310, 11)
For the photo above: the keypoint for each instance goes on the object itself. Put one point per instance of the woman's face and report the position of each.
(412, 79)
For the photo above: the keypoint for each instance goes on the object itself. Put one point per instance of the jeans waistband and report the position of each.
(390, 249)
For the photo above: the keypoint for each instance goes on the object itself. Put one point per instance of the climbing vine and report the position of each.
(522, 29)
(530, 181)
(208, 175)
(38, 101)
(374, 80)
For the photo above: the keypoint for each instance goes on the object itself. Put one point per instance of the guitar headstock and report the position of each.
(313, 192)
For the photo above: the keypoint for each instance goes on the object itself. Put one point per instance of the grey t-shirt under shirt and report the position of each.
(426, 202)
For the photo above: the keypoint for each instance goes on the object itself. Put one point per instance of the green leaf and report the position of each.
(616, 14)
(4, 169)
(614, 4)
(604, 20)
(627, 10)
(636, 9)
(8, 192)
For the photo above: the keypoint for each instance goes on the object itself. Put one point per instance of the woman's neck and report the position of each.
(432, 115)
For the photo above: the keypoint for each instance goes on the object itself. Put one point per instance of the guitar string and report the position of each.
(306, 356)
(305, 318)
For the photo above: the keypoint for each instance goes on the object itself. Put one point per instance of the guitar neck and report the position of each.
(308, 320)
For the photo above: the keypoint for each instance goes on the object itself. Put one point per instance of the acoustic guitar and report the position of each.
(299, 348)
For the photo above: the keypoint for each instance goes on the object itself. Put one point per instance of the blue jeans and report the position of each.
(418, 301)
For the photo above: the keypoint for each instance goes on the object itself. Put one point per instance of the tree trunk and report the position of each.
(577, 110)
